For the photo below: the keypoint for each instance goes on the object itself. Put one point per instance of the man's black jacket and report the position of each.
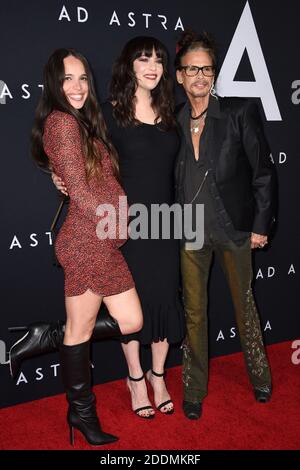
(240, 162)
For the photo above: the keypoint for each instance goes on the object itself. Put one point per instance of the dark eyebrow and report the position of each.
(199, 67)
(72, 75)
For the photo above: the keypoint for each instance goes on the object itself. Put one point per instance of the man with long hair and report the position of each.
(223, 164)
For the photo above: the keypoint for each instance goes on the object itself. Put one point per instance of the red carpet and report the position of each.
(231, 418)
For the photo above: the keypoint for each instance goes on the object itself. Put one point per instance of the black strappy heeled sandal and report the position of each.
(161, 405)
(147, 407)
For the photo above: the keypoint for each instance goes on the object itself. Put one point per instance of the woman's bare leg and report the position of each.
(81, 311)
(138, 390)
(126, 309)
(159, 354)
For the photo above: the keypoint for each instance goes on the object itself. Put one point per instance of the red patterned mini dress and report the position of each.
(90, 261)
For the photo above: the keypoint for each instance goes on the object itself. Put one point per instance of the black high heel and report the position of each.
(82, 415)
(72, 440)
(43, 338)
(141, 408)
(92, 433)
(161, 405)
(40, 338)
(12, 329)
(14, 368)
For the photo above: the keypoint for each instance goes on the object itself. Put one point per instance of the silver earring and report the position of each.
(212, 91)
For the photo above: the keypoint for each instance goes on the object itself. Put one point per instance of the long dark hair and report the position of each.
(124, 84)
(89, 117)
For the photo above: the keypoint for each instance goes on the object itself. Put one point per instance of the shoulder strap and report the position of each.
(57, 214)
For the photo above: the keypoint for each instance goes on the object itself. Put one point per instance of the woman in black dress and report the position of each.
(142, 127)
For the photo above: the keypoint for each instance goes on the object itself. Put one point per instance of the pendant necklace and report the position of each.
(195, 125)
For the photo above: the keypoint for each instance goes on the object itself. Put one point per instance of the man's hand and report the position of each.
(60, 185)
(258, 241)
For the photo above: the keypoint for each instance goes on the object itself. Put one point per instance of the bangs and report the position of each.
(146, 45)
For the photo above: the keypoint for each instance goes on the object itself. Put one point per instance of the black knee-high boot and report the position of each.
(76, 375)
(42, 338)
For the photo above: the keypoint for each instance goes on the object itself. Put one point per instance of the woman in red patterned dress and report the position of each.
(69, 136)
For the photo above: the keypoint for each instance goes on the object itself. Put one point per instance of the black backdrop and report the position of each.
(31, 288)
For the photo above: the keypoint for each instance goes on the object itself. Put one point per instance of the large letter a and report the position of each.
(245, 37)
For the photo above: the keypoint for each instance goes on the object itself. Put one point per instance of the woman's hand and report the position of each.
(60, 185)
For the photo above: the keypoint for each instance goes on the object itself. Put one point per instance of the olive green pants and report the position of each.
(237, 266)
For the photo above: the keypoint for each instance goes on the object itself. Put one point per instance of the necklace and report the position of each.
(195, 121)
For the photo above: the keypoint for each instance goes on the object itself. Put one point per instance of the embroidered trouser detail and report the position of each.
(186, 376)
(236, 264)
(252, 343)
